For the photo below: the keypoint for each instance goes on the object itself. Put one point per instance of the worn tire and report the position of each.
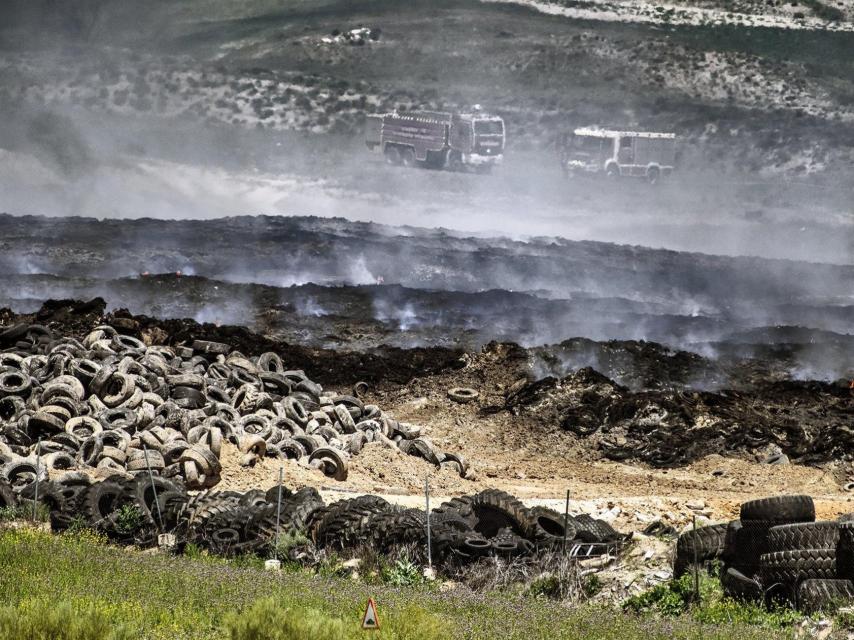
(824, 595)
(21, 473)
(101, 500)
(780, 509)
(302, 507)
(790, 567)
(823, 534)
(705, 544)
(463, 395)
(589, 529)
(845, 551)
(461, 506)
(548, 527)
(495, 510)
(738, 586)
(744, 543)
(449, 520)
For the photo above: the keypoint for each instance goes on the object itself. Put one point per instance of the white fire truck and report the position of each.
(613, 153)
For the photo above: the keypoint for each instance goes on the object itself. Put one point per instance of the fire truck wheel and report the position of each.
(612, 171)
(652, 175)
(455, 161)
(407, 157)
(392, 155)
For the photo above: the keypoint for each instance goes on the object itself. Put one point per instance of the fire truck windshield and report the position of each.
(489, 127)
(586, 143)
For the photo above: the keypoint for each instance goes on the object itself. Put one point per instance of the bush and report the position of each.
(677, 597)
(546, 586)
(79, 532)
(591, 585)
(290, 541)
(669, 599)
(128, 519)
(403, 573)
(24, 512)
(38, 620)
(266, 620)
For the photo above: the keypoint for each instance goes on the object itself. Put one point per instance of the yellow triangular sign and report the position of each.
(371, 620)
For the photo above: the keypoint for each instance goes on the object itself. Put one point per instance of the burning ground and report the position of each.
(705, 389)
(356, 286)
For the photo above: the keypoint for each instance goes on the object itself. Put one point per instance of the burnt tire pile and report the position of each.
(491, 522)
(667, 428)
(134, 510)
(777, 552)
(115, 404)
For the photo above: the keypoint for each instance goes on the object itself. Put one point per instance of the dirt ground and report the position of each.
(541, 469)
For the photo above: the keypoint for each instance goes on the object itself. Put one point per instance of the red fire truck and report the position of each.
(436, 139)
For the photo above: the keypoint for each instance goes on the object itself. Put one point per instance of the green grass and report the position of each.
(267, 620)
(676, 598)
(42, 620)
(160, 597)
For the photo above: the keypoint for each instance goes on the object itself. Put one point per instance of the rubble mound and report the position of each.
(807, 421)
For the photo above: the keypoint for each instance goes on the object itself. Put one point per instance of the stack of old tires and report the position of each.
(113, 403)
(491, 522)
(230, 523)
(134, 510)
(777, 552)
(124, 509)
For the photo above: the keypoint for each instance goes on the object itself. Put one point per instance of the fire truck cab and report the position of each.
(614, 153)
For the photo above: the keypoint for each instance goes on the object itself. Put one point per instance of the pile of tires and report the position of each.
(112, 403)
(136, 509)
(131, 510)
(777, 552)
(491, 522)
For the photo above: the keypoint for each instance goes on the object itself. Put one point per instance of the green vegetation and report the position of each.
(591, 585)
(403, 573)
(128, 519)
(288, 541)
(160, 597)
(267, 620)
(676, 598)
(24, 512)
(44, 619)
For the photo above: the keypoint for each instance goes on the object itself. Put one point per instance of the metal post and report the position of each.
(696, 563)
(565, 523)
(38, 472)
(278, 511)
(153, 489)
(427, 499)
